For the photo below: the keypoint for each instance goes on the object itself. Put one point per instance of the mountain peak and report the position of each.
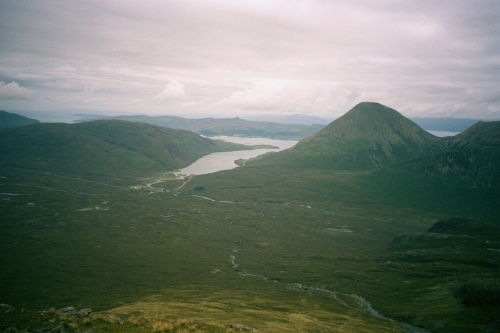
(371, 120)
(368, 136)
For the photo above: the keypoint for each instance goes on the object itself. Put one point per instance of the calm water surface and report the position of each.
(443, 133)
(225, 160)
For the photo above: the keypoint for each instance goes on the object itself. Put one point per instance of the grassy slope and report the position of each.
(377, 206)
(331, 230)
(291, 231)
(369, 136)
(481, 133)
(69, 248)
(471, 164)
(108, 148)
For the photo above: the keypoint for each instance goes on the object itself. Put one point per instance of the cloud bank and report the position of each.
(230, 57)
(174, 89)
(14, 91)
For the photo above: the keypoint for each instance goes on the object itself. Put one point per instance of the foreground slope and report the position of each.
(8, 119)
(369, 136)
(106, 148)
(287, 248)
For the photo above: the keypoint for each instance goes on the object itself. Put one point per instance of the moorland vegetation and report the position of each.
(370, 225)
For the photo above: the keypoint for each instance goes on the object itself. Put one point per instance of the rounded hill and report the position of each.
(368, 136)
(104, 148)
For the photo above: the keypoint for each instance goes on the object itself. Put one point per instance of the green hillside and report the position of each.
(104, 148)
(481, 133)
(372, 136)
(292, 242)
(369, 136)
(472, 159)
(8, 119)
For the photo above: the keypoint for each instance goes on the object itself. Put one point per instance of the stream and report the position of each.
(351, 301)
(224, 161)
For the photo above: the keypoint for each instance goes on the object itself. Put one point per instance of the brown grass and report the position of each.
(162, 326)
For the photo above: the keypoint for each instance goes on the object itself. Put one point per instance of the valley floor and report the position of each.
(250, 249)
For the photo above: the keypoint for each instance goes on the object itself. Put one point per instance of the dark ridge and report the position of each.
(481, 133)
(8, 119)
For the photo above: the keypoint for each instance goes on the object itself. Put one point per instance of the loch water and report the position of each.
(225, 160)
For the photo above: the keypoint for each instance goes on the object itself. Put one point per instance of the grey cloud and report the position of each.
(300, 56)
(173, 90)
(12, 90)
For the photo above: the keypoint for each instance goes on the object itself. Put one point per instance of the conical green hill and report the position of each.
(369, 136)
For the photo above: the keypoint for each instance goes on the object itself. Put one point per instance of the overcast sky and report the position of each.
(229, 58)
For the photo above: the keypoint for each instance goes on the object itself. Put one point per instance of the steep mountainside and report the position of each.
(229, 126)
(369, 136)
(481, 133)
(110, 148)
(8, 119)
(472, 158)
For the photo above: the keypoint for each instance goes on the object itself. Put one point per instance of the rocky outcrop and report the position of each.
(479, 293)
(71, 311)
(466, 226)
(57, 321)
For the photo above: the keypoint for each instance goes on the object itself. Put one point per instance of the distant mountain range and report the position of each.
(429, 124)
(104, 148)
(294, 127)
(370, 136)
(444, 124)
(8, 119)
(227, 126)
